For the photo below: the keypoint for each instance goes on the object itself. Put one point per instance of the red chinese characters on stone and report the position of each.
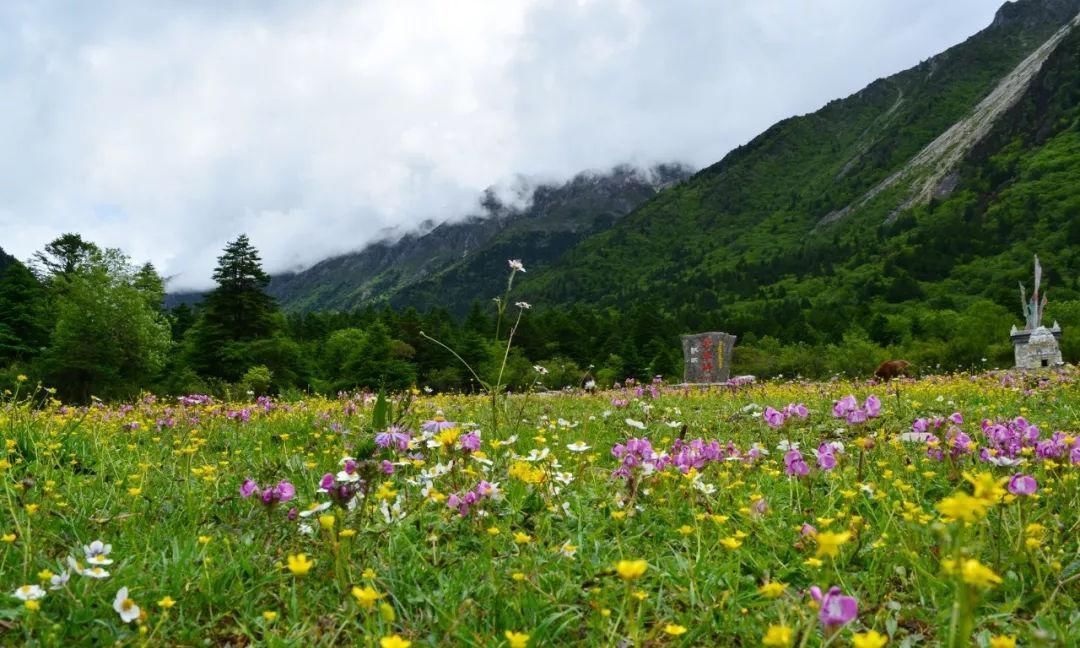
(707, 354)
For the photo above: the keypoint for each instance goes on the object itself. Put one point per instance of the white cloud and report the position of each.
(167, 128)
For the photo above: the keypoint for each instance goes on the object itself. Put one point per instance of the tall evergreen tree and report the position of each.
(64, 256)
(235, 314)
(24, 326)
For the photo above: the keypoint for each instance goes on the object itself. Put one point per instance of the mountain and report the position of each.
(459, 261)
(931, 187)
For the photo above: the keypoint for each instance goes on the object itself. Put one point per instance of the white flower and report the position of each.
(95, 572)
(29, 592)
(568, 550)
(125, 607)
(428, 390)
(540, 370)
(564, 478)
(708, 489)
(590, 384)
(97, 552)
(306, 529)
(635, 424)
(57, 581)
(1004, 461)
(537, 455)
(523, 305)
(915, 437)
(786, 445)
(347, 477)
(516, 265)
(317, 508)
(674, 424)
(578, 446)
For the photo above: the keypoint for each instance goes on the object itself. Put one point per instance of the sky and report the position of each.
(166, 128)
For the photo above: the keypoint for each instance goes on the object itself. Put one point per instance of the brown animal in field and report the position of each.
(891, 369)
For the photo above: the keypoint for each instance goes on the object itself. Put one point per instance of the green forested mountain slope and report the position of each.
(456, 262)
(754, 243)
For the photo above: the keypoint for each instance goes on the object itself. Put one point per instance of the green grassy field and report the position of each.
(551, 528)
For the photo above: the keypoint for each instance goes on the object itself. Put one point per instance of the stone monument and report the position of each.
(707, 357)
(1036, 346)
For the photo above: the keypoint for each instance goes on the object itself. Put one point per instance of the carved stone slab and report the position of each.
(707, 357)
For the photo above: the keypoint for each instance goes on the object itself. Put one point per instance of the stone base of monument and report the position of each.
(1037, 349)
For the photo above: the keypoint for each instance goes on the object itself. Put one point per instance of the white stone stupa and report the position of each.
(1036, 346)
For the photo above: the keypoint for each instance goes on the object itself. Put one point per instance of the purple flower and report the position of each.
(825, 458)
(284, 491)
(248, 488)
(387, 467)
(843, 406)
(393, 437)
(773, 418)
(327, 481)
(797, 409)
(470, 441)
(794, 464)
(836, 609)
(857, 416)
(957, 418)
(1022, 484)
(437, 424)
(872, 406)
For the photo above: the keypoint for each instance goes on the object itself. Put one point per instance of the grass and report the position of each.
(160, 482)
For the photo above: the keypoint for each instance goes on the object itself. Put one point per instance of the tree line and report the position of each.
(89, 322)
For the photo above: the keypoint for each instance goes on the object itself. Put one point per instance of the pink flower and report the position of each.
(773, 417)
(836, 609)
(1022, 484)
(872, 406)
(248, 488)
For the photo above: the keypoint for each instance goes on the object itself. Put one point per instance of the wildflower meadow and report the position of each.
(942, 511)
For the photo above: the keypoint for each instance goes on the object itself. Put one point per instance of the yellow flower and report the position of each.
(327, 521)
(518, 576)
(386, 611)
(8, 537)
(269, 616)
(33, 605)
(368, 573)
(1003, 641)
(347, 533)
(204, 540)
(517, 639)
(134, 492)
(872, 639)
(386, 491)
(964, 507)
(975, 573)
(166, 602)
(44, 575)
(641, 595)
(731, 543)
(771, 590)
(394, 641)
(299, 564)
(448, 437)
(674, 629)
(777, 636)
(828, 543)
(986, 486)
(522, 538)
(686, 529)
(630, 570)
(493, 530)
(618, 515)
(813, 562)
(366, 596)
(21, 378)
